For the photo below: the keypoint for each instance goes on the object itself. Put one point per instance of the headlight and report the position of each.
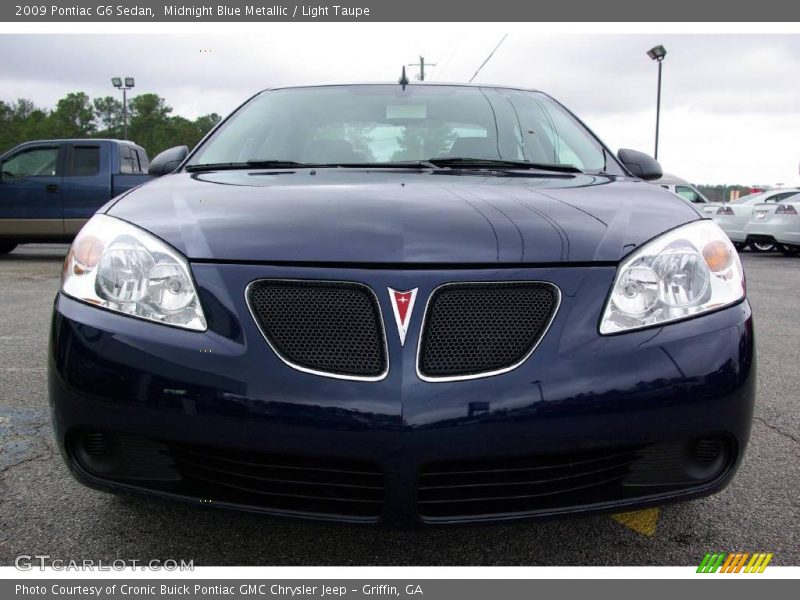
(685, 272)
(122, 268)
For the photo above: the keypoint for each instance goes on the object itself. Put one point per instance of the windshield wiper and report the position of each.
(397, 164)
(250, 164)
(288, 164)
(489, 163)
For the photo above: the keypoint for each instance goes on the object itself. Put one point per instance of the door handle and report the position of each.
(52, 188)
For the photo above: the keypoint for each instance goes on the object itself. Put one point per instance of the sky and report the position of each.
(730, 103)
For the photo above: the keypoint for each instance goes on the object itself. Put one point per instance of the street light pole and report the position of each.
(125, 111)
(658, 108)
(124, 85)
(657, 53)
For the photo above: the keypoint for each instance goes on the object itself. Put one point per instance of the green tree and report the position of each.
(74, 116)
(416, 143)
(108, 114)
(21, 121)
(149, 123)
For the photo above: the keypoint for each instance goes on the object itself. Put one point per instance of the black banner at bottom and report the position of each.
(362, 589)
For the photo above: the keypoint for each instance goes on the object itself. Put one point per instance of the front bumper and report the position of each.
(580, 397)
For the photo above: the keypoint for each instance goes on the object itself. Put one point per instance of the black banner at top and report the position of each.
(151, 11)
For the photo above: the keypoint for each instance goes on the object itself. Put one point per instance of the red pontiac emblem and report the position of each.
(402, 306)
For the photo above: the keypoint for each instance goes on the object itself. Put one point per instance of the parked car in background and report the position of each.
(50, 188)
(733, 216)
(682, 188)
(776, 223)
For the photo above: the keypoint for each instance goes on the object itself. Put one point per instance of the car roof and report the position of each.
(409, 84)
(80, 140)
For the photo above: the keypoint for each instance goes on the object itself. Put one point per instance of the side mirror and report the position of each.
(168, 160)
(640, 164)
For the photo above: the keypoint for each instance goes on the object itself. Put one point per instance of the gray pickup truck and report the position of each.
(50, 188)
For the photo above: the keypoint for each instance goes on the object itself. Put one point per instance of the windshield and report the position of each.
(387, 124)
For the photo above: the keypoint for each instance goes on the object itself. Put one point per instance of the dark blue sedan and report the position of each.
(403, 303)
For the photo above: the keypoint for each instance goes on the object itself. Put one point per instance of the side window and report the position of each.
(137, 165)
(783, 196)
(143, 162)
(84, 162)
(688, 193)
(125, 163)
(32, 162)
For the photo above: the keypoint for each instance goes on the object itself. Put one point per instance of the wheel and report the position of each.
(6, 247)
(762, 247)
(789, 250)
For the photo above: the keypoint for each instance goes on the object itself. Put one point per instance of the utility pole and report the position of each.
(421, 65)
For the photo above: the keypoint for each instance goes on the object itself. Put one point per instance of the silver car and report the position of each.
(776, 223)
(733, 216)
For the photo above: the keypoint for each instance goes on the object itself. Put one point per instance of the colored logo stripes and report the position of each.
(734, 562)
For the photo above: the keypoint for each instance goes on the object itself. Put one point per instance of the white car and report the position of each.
(777, 223)
(733, 216)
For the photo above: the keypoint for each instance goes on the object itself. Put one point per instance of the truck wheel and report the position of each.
(789, 250)
(762, 247)
(6, 247)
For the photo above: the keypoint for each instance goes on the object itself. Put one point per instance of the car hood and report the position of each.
(381, 216)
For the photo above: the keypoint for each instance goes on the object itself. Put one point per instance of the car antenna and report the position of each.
(403, 79)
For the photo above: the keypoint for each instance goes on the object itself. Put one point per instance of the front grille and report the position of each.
(306, 485)
(513, 486)
(475, 329)
(332, 328)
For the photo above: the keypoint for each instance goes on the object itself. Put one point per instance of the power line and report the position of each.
(491, 54)
(455, 42)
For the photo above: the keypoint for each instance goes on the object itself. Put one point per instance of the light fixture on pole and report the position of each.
(125, 85)
(657, 53)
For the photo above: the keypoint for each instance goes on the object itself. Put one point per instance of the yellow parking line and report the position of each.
(641, 521)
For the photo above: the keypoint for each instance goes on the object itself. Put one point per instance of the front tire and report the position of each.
(761, 247)
(6, 247)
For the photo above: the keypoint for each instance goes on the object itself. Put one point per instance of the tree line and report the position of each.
(151, 123)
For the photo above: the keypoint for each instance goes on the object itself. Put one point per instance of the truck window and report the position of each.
(137, 161)
(125, 163)
(137, 167)
(85, 162)
(41, 161)
(144, 164)
(688, 193)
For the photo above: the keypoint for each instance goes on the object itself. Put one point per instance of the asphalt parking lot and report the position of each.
(44, 511)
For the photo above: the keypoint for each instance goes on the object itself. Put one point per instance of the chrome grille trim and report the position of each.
(301, 368)
(451, 378)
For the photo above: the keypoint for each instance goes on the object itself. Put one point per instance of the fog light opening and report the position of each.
(95, 451)
(705, 458)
